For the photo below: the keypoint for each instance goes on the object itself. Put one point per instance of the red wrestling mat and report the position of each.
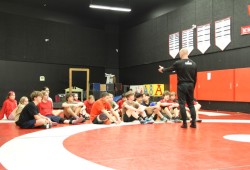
(163, 146)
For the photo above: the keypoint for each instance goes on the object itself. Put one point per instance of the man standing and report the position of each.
(186, 70)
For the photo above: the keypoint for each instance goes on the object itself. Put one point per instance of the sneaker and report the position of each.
(78, 120)
(184, 125)
(172, 120)
(177, 120)
(85, 117)
(164, 119)
(193, 125)
(142, 121)
(46, 126)
(149, 120)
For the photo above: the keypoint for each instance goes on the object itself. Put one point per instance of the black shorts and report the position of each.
(98, 119)
(27, 125)
(128, 119)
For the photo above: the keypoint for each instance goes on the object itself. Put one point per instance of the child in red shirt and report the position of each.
(8, 106)
(120, 103)
(89, 103)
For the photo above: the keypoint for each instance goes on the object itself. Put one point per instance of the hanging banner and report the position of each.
(188, 40)
(245, 30)
(173, 41)
(222, 33)
(203, 38)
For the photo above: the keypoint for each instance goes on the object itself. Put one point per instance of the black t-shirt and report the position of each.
(145, 104)
(28, 113)
(186, 70)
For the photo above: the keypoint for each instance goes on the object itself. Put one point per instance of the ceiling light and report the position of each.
(110, 8)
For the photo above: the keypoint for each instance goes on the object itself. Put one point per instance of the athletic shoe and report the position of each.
(149, 120)
(184, 125)
(164, 119)
(177, 120)
(172, 120)
(85, 117)
(193, 125)
(46, 126)
(142, 121)
(78, 120)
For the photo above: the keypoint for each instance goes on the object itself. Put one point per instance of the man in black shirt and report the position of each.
(186, 70)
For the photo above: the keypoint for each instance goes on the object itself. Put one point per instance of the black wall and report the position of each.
(145, 46)
(25, 55)
(147, 43)
(23, 39)
(24, 77)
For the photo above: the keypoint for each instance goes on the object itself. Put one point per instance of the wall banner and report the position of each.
(188, 40)
(203, 38)
(223, 33)
(173, 44)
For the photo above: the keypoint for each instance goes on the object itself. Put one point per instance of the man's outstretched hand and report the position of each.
(160, 69)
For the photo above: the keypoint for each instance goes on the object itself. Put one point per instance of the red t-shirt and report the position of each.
(120, 103)
(166, 101)
(170, 101)
(45, 108)
(97, 108)
(8, 106)
(174, 102)
(88, 106)
(163, 101)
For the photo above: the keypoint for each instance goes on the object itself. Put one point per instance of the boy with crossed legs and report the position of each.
(131, 110)
(152, 111)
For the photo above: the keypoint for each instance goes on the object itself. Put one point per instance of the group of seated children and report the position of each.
(170, 107)
(138, 107)
(39, 112)
(132, 106)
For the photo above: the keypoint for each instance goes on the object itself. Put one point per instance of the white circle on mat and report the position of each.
(238, 137)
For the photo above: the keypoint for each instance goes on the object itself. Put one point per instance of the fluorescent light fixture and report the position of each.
(110, 8)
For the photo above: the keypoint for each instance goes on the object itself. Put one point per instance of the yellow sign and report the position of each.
(154, 89)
